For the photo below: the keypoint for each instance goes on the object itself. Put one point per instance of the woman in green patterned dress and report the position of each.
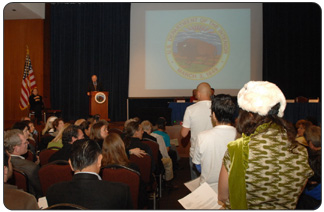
(265, 168)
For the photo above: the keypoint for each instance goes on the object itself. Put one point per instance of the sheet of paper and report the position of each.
(174, 142)
(193, 184)
(42, 203)
(204, 197)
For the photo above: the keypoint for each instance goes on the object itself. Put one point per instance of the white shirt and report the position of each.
(209, 152)
(198, 118)
(162, 147)
(99, 178)
(18, 156)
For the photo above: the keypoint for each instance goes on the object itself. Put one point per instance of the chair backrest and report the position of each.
(155, 149)
(20, 179)
(144, 164)
(123, 175)
(66, 206)
(32, 142)
(45, 155)
(29, 156)
(116, 130)
(55, 172)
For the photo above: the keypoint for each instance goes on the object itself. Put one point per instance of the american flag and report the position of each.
(28, 83)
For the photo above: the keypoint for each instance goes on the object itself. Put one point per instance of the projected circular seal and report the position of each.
(100, 97)
(197, 48)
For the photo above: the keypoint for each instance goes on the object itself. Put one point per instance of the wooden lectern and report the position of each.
(98, 104)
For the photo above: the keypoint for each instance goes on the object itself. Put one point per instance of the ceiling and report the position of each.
(13, 11)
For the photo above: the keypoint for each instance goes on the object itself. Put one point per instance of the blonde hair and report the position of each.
(48, 125)
(59, 134)
(79, 122)
(147, 126)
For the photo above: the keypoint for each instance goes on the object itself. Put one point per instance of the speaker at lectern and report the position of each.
(98, 104)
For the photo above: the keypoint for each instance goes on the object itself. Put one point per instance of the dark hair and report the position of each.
(129, 130)
(20, 125)
(96, 117)
(313, 134)
(247, 122)
(68, 133)
(160, 123)
(56, 122)
(84, 153)
(224, 107)
(84, 126)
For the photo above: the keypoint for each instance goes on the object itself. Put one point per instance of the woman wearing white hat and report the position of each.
(265, 168)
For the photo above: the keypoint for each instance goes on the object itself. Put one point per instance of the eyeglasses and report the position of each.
(24, 143)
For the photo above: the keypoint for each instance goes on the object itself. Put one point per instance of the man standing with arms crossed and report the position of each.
(197, 118)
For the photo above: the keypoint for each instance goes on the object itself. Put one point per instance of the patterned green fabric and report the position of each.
(239, 152)
(275, 175)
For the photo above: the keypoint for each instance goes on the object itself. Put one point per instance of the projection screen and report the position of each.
(176, 46)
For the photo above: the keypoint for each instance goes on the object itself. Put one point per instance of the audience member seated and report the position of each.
(32, 128)
(47, 133)
(86, 188)
(133, 134)
(86, 128)
(301, 126)
(57, 141)
(160, 124)
(33, 134)
(70, 134)
(114, 153)
(99, 131)
(23, 126)
(265, 168)
(14, 198)
(163, 152)
(212, 144)
(15, 143)
(312, 196)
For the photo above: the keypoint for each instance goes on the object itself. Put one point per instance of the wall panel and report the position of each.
(17, 35)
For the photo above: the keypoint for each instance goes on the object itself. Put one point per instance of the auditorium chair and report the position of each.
(20, 179)
(45, 155)
(123, 174)
(144, 164)
(54, 172)
(29, 156)
(116, 130)
(158, 173)
(66, 206)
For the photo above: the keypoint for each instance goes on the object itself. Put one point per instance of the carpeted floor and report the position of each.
(169, 199)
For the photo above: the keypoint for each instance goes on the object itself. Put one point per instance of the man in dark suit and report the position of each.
(86, 188)
(71, 134)
(94, 85)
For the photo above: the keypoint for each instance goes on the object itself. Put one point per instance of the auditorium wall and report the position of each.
(17, 35)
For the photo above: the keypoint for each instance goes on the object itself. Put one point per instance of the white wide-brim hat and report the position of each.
(260, 96)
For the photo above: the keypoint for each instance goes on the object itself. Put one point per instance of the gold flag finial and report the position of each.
(27, 49)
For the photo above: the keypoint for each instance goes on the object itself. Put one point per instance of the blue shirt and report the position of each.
(165, 136)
